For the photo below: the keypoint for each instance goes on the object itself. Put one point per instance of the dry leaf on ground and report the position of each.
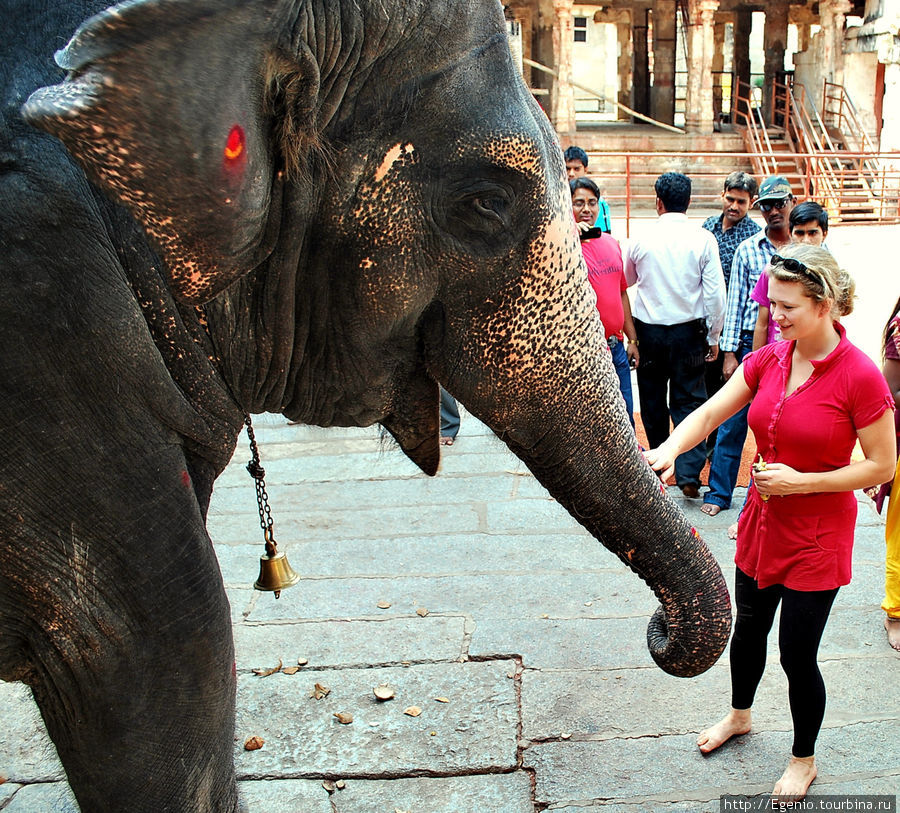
(302, 661)
(340, 784)
(328, 785)
(442, 699)
(254, 743)
(383, 692)
(291, 670)
(384, 605)
(344, 718)
(319, 691)
(412, 711)
(266, 672)
(422, 611)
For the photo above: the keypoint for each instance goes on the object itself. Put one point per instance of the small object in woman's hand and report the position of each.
(760, 465)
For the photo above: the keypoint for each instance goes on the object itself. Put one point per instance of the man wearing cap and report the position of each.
(775, 201)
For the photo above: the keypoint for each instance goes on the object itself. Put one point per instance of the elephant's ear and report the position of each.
(169, 106)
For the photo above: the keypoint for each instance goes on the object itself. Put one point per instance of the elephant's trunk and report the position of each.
(619, 500)
(536, 368)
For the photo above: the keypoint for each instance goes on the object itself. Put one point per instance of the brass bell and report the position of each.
(275, 572)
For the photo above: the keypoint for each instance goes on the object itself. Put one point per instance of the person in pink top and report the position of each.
(603, 258)
(812, 396)
(809, 224)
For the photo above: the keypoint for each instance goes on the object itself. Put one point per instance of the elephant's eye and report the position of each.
(481, 212)
(494, 208)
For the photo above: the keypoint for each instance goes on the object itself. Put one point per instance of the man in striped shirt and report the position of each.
(776, 199)
(730, 229)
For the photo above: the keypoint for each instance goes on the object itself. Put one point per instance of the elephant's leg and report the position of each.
(127, 646)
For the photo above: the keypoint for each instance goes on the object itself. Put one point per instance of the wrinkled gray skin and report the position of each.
(391, 212)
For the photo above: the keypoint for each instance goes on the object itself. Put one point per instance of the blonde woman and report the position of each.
(811, 396)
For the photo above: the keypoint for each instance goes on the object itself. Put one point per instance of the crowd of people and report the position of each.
(735, 325)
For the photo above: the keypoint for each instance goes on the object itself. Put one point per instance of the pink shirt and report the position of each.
(603, 257)
(760, 294)
(805, 541)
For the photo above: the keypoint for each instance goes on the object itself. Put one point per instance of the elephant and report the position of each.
(318, 208)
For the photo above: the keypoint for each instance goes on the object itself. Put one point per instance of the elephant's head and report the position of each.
(365, 200)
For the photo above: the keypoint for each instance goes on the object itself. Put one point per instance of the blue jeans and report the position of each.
(623, 369)
(726, 459)
(449, 415)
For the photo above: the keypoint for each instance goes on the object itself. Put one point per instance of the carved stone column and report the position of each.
(832, 15)
(641, 81)
(774, 44)
(718, 66)
(662, 97)
(743, 22)
(698, 114)
(623, 67)
(562, 111)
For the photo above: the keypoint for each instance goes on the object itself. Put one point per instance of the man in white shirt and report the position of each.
(679, 307)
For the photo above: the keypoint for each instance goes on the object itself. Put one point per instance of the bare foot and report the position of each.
(796, 779)
(732, 531)
(736, 722)
(446, 440)
(892, 625)
(710, 508)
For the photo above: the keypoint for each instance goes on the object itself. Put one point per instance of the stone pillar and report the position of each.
(832, 15)
(718, 68)
(641, 72)
(623, 67)
(774, 44)
(562, 110)
(662, 97)
(698, 114)
(743, 22)
(802, 36)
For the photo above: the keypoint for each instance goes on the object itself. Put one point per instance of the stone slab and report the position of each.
(580, 643)
(494, 793)
(648, 702)
(52, 797)
(448, 554)
(476, 731)
(351, 643)
(671, 769)
(414, 491)
(326, 524)
(7, 791)
(501, 596)
(27, 753)
(285, 796)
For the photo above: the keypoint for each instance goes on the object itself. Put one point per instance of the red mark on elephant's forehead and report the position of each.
(235, 145)
(185, 479)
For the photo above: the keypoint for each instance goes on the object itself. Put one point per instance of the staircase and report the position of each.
(828, 157)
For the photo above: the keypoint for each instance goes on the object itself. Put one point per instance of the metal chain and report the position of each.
(258, 473)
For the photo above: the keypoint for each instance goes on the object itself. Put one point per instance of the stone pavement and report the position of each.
(521, 639)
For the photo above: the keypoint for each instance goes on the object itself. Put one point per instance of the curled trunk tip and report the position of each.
(682, 654)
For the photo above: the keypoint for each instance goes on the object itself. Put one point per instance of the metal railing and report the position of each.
(627, 179)
(854, 182)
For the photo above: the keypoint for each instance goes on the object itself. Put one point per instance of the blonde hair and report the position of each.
(822, 278)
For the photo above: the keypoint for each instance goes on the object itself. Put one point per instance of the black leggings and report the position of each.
(803, 617)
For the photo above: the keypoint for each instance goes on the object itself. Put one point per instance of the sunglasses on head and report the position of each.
(796, 267)
(778, 204)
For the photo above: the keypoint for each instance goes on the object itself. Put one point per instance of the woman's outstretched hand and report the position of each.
(661, 460)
